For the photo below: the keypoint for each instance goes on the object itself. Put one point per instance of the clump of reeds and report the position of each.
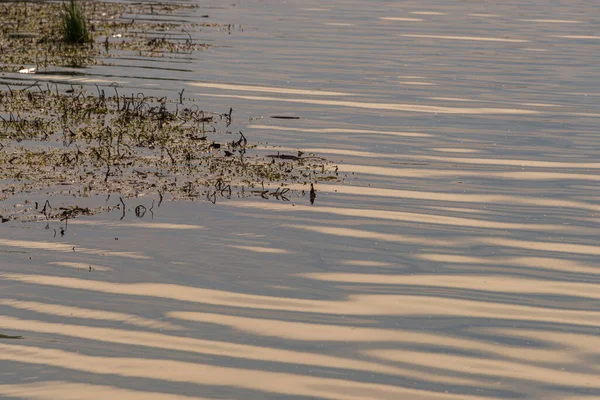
(74, 26)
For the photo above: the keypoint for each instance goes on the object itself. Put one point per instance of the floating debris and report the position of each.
(292, 157)
(28, 70)
(10, 337)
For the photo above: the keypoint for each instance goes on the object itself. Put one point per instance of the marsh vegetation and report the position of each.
(83, 143)
(74, 24)
(88, 144)
(78, 34)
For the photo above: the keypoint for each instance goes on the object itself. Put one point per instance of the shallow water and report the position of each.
(458, 260)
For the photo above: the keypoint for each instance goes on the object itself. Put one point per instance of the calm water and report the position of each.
(459, 260)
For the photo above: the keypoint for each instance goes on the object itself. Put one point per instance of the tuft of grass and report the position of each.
(74, 26)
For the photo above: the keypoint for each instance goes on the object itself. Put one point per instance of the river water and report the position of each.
(457, 260)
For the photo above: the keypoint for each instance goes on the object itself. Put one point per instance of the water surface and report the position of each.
(458, 260)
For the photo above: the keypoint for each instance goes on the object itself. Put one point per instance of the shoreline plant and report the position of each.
(74, 25)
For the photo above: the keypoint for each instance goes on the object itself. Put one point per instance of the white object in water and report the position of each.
(27, 70)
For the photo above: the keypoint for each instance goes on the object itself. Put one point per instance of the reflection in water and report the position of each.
(185, 372)
(260, 249)
(149, 225)
(412, 217)
(338, 130)
(78, 312)
(401, 19)
(427, 13)
(366, 263)
(57, 390)
(161, 341)
(67, 248)
(439, 173)
(475, 38)
(579, 37)
(529, 262)
(486, 368)
(454, 256)
(81, 266)
(460, 160)
(382, 106)
(445, 197)
(245, 88)
(471, 282)
(357, 304)
(552, 21)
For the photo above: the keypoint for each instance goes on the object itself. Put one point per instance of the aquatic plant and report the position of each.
(137, 145)
(74, 26)
(44, 34)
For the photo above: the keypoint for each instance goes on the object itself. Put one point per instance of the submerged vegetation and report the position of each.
(88, 144)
